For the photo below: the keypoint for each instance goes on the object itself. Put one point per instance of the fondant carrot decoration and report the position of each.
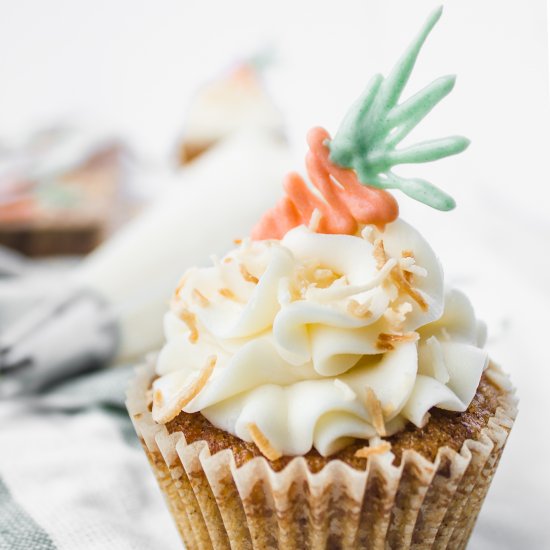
(352, 170)
(345, 203)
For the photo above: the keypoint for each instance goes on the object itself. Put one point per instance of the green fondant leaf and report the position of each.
(377, 123)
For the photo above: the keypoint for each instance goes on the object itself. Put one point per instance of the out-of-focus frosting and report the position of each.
(315, 339)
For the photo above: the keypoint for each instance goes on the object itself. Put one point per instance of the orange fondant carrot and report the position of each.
(343, 204)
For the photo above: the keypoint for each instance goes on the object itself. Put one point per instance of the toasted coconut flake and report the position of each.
(405, 268)
(386, 339)
(149, 397)
(368, 233)
(324, 277)
(383, 343)
(384, 346)
(227, 293)
(396, 317)
(181, 283)
(262, 442)
(237, 241)
(379, 254)
(405, 337)
(158, 399)
(227, 260)
(359, 310)
(366, 452)
(201, 299)
(403, 285)
(375, 411)
(247, 276)
(190, 320)
(189, 393)
(410, 268)
(407, 254)
(200, 382)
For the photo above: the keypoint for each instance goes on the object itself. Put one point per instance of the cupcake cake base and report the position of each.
(223, 493)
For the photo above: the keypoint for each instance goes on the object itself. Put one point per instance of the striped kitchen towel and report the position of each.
(73, 475)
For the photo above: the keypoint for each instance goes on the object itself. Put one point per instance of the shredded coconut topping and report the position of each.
(366, 452)
(200, 298)
(359, 310)
(149, 397)
(375, 411)
(405, 286)
(190, 320)
(368, 233)
(247, 276)
(344, 290)
(227, 293)
(187, 394)
(324, 277)
(262, 442)
(397, 316)
(387, 340)
(181, 283)
(408, 265)
(379, 253)
(158, 399)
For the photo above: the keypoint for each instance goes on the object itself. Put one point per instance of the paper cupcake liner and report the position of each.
(418, 504)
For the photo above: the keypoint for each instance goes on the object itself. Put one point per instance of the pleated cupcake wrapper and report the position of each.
(418, 504)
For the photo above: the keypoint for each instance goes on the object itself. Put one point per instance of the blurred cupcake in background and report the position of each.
(63, 191)
(237, 100)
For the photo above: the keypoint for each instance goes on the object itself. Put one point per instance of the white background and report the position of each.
(132, 66)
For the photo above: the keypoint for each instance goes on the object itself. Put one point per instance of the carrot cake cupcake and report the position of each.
(319, 386)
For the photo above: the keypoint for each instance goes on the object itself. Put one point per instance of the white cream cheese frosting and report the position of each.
(317, 339)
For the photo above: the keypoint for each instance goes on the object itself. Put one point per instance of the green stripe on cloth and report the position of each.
(18, 531)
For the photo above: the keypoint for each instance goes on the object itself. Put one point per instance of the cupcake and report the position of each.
(320, 387)
(234, 102)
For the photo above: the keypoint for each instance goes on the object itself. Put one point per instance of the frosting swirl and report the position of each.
(315, 339)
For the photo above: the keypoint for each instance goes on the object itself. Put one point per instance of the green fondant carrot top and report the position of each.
(370, 132)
